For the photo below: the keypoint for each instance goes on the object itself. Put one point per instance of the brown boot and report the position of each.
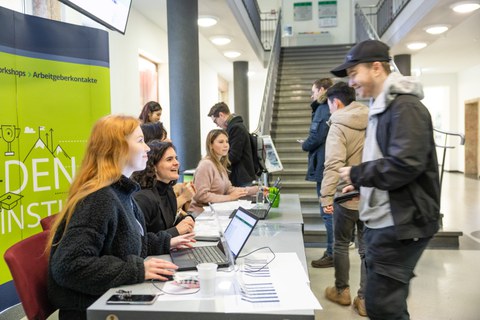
(341, 297)
(324, 262)
(359, 305)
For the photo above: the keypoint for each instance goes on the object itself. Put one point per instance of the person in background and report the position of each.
(343, 147)
(315, 145)
(398, 177)
(157, 199)
(99, 240)
(151, 112)
(240, 155)
(211, 176)
(154, 131)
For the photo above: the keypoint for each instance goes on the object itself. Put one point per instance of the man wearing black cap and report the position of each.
(398, 177)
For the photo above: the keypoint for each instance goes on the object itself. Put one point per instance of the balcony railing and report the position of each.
(381, 16)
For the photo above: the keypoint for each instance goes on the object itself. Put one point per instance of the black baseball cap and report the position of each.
(365, 51)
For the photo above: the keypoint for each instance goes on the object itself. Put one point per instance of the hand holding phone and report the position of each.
(346, 196)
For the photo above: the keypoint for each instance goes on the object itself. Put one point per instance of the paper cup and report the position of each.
(207, 274)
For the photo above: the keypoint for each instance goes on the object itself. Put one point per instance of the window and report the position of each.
(148, 80)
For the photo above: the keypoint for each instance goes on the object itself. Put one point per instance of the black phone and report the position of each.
(346, 196)
(132, 299)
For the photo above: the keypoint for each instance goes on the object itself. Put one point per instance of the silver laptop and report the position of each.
(227, 249)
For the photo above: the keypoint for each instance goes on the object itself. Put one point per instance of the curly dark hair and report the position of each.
(147, 177)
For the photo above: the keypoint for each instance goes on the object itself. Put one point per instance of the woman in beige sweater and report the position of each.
(211, 176)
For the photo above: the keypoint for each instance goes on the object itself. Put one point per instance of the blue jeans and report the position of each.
(345, 221)
(328, 221)
(390, 263)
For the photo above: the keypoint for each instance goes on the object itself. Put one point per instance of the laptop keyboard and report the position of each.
(258, 212)
(206, 254)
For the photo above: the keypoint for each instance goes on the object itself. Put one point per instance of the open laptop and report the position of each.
(261, 213)
(228, 248)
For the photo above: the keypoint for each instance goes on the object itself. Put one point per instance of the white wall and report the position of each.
(468, 88)
(441, 94)
(142, 35)
(445, 96)
(342, 33)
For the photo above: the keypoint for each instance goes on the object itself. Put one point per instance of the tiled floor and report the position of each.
(447, 285)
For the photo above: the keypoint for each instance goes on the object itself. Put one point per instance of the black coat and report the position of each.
(409, 168)
(240, 153)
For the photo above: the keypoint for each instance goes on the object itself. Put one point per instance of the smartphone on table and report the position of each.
(132, 299)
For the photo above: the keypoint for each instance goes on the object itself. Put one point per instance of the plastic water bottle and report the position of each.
(259, 196)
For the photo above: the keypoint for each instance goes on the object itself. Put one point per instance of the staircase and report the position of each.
(299, 67)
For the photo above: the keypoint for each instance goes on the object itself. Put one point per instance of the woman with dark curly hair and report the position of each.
(157, 199)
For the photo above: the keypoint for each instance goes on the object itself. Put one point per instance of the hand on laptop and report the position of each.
(183, 241)
(158, 269)
(238, 193)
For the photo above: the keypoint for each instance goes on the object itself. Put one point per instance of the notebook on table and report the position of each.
(227, 249)
(261, 213)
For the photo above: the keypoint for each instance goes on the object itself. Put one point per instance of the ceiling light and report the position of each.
(220, 40)
(465, 6)
(436, 29)
(207, 21)
(232, 54)
(416, 45)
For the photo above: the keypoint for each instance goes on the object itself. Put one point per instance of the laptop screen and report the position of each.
(239, 229)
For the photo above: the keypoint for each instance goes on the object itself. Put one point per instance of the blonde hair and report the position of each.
(223, 163)
(105, 157)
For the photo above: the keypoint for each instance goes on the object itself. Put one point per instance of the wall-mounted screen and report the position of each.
(111, 13)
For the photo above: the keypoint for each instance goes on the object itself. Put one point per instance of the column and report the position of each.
(240, 90)
(184, 83)
(404, 63)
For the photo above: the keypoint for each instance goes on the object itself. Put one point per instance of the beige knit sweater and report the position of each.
(212, 186)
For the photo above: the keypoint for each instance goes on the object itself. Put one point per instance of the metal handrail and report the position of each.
(362, 20)
(445, 147)
(265, 117)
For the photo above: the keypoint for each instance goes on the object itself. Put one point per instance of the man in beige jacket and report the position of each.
(344, 147)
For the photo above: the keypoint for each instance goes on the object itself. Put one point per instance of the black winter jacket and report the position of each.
(409, 169)
(315, 143)
(102, 247)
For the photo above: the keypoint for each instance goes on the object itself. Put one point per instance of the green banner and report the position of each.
(54, 84)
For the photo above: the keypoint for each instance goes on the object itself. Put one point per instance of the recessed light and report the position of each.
(207, 21)
(232, 54)
(416, 45)
(220, 40)
(465, 6)
(436, 29)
